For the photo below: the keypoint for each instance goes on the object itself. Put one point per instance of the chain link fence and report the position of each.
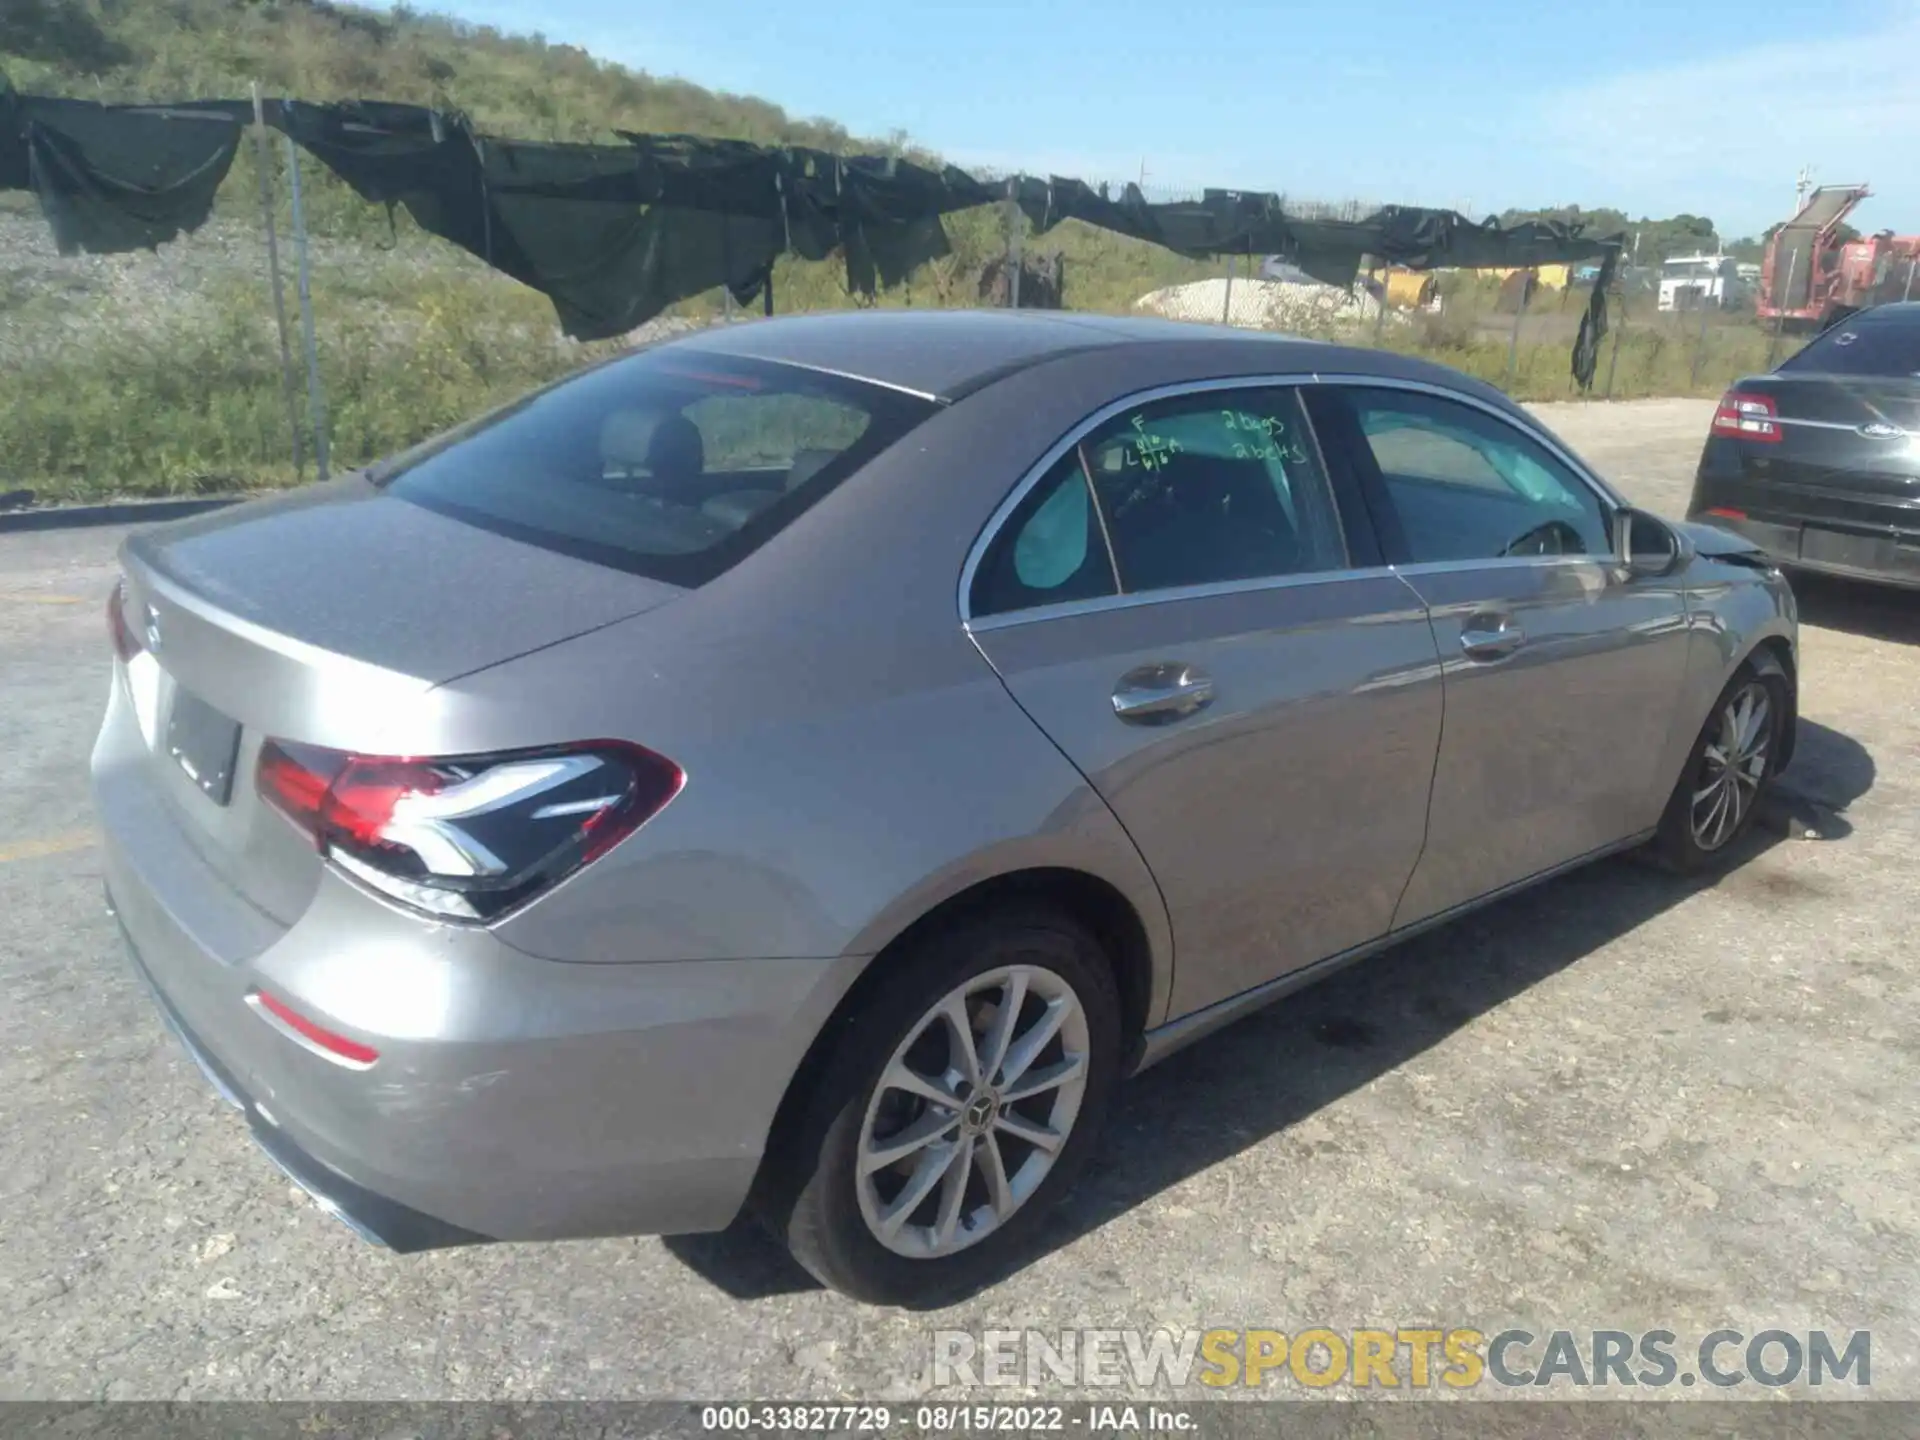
(172, 372)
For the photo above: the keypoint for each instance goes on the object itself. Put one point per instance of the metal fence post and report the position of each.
(263, 161)
(1908, 293)
(1519, 314)
(316, 393)
(1700, 344)
(1613, 356)
(1780, 307)
(1226, 302)
(1380, 309)
(1013, 244)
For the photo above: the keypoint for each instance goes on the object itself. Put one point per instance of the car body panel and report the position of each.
(1283, 820)
(513, 1097)
(1552, 750)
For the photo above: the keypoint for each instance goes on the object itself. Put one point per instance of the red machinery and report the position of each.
(1810, 279)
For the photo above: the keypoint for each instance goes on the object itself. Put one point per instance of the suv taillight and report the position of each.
(467, 838)
(126, 644)
(1743, 415)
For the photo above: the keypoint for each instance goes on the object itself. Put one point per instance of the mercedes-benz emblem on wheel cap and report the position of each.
(1879, 431)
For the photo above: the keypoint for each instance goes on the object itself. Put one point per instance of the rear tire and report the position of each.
(922, 1169)
(1728, 773)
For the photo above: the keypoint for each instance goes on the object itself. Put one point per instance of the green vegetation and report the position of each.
(176, 387)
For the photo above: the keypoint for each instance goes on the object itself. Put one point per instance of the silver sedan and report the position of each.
(802, 767)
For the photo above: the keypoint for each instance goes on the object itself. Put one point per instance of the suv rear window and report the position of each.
(671, 464)
(1864, 345)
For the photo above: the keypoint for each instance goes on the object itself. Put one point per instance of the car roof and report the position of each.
(1899, 312)
(948, 354)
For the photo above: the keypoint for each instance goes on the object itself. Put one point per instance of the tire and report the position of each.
(1698, 830)
(832, 1216)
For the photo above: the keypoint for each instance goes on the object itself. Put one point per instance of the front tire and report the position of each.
(1728, 773)
(959, 1104)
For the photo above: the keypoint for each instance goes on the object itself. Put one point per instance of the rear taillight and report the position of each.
(126, 644)
(1745, 416)
(470, 838)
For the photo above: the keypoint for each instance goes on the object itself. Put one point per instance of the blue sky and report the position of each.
(1654, 106)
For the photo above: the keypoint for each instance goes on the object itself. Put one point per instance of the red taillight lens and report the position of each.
(126, 644)
(1745, 416)
(328, 1040)
(467, 839)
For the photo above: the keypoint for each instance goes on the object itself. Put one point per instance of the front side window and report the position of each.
(1465, 485)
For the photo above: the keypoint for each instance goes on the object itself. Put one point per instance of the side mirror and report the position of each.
(1645, 545)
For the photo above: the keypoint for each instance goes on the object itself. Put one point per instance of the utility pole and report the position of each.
(1802, 187)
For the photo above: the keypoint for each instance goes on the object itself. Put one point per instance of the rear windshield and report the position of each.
(1862, 347)
(674, 465)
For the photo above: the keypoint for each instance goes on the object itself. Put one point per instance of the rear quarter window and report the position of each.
(668, 464)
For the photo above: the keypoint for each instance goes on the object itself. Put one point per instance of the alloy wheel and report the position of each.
(972, 1111)
(1735, 764)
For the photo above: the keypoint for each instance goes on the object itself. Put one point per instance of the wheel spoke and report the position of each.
(965, 1058)
(1012, 997)
(1051, 1077)
(1719, 817)
(1756, 721)
(993, 1167)
(1041, 1137)
(954, 1192)
(1736, 726)
(1027, 1048)
(1703, 824)
(923, 1132)
(911, 1082)
(933, 1164)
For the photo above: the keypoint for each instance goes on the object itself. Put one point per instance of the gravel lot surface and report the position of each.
(1619, 1101)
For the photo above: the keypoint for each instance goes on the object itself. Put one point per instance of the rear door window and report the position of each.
(673, 465)
(1213, 487)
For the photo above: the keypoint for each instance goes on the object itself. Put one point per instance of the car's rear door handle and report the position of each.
(1154, 694)
(1488, 637)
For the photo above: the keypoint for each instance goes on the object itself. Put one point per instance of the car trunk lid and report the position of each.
(318, 617)
(1854, 433)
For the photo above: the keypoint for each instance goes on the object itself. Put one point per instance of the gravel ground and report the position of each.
(1617, 1101)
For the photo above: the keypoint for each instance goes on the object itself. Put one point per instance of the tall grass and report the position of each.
(406, 351)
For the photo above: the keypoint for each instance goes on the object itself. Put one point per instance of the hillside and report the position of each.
(511, 85)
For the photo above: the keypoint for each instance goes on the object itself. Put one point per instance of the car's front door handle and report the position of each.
(1489, 641)
(1154, 694)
